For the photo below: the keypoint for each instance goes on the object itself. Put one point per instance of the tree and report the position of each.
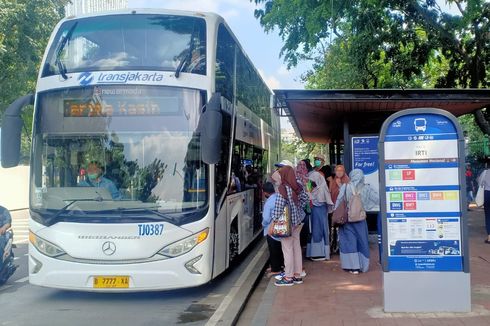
(25, 27)
(296, 149)
(387, 43)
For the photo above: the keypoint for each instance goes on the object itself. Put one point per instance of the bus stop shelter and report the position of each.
(333, 116)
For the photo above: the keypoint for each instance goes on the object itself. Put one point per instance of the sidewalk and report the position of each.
(330, 296)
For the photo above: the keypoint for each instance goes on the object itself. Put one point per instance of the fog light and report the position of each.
(190, 265)
(37, 265)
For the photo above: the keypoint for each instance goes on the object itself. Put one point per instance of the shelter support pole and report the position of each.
(337, 152)
(331, 152)
(347, 149)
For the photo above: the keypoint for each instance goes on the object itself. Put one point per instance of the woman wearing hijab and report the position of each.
(319, 246)
(302, 172)
(339, 179)
(290, 192)
(353, 236)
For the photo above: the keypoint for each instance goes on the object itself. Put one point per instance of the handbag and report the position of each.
(356, 212)
(340, 215)
(480, 194)
(282, 227)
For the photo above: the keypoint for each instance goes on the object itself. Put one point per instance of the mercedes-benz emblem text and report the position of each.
(109, 248)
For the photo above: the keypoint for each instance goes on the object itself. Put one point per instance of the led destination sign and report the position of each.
(120, 107)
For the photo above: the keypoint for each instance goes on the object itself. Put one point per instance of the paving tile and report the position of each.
(331, 296)
(407, 322)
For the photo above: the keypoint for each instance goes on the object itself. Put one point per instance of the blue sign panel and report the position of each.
(422, 186)
(365, 156)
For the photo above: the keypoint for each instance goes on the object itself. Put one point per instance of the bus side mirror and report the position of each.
(210, 126)
(11, 131)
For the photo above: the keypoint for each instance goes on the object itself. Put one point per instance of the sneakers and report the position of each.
(285, 282)
(281, 275)
(318, 258)
(355, 272)
(297, 280)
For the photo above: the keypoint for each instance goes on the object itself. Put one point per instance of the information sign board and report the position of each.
(423, 212)
(365, 157)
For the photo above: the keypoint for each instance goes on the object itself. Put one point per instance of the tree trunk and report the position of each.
(482, 122)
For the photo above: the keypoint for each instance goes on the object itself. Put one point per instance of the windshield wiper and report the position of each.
(61, 45)
(151, 210)
(182, 63)
(55, 218)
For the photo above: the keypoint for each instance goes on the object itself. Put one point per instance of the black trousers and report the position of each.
(486, 207)
(276, 258)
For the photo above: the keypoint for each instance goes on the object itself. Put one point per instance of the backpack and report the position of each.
(356, 212)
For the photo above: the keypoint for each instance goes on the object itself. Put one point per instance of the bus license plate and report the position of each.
(109, 282)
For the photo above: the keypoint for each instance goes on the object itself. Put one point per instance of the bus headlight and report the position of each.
(45, 247)
(185, 245)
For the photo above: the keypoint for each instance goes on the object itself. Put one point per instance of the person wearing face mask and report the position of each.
(95, 179)
(319, 162)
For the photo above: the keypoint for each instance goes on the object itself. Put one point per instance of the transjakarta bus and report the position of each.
(152, 135)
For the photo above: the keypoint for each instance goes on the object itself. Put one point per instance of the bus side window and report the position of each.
(222, 165)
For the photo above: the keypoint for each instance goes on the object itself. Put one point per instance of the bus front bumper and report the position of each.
(146, 276)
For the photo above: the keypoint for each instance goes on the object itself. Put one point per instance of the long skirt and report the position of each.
(319, 245)
(354, 246)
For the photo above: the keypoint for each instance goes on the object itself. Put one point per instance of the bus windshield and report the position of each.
(118, 149)
(129, 42)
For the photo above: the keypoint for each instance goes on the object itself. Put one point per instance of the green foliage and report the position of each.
(25, 27)
(400, 37)
(385, 43)
(296, 149)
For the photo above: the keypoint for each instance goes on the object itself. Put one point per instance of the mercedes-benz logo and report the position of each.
(109, 248)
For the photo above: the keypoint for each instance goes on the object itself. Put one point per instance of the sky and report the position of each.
(263, 49)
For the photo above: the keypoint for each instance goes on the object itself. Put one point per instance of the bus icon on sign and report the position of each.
(420, 124)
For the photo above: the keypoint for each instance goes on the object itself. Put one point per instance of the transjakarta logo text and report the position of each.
(119, 78)
(85, 78)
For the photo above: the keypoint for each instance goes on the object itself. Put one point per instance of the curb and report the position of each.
(234, 302)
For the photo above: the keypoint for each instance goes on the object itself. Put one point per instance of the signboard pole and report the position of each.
(423, 211)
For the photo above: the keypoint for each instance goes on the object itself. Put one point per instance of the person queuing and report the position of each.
(484, 181)
(353, 236)
(302, 172)
(292, 193)
(275, 251)
(469, 185)
(339, 178)
(318, 162)
(327, 173)
(319, 246)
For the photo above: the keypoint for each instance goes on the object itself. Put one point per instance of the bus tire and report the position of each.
(234, 241)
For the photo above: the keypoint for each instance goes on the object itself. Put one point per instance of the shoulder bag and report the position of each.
(282, 227)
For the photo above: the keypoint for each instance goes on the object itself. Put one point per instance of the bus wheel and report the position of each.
(233, 241)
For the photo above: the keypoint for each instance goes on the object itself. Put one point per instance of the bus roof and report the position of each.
(156, 11)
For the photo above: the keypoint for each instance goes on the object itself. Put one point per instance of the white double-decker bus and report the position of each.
(152, 136)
